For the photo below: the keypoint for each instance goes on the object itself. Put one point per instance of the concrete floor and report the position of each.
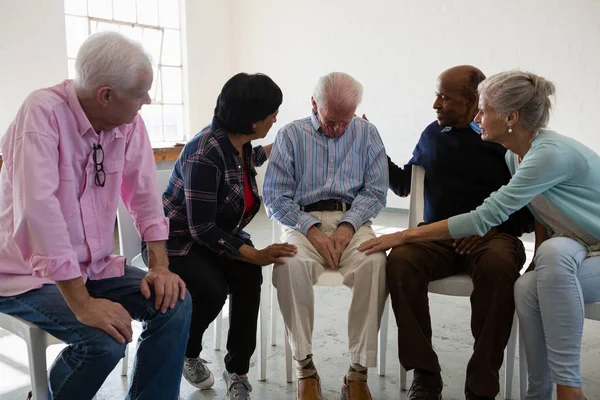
(452, 339)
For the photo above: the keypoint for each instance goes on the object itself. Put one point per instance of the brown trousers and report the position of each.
(494, 266)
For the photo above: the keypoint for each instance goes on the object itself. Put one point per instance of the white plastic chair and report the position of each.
(37, 341)
(592, 312)
(456, 285)
(130, 242)
(328, 278)
(130, 246)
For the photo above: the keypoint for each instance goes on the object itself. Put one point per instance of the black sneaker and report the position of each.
(426, 387)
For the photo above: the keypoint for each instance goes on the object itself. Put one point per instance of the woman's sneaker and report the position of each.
(238, 388)
(197, 373)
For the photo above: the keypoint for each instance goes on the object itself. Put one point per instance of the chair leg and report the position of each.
(402, 378)
(509, 359)
(36, 349)
(523, 376)
(274, 304)
(382, 337)
(274, 315)
(125, 361)
(263, 330)
(288, 361)
(218, 330)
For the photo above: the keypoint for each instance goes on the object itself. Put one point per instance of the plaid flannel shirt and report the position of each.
(205, 196)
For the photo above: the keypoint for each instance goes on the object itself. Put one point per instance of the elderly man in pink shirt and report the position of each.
(71, 152)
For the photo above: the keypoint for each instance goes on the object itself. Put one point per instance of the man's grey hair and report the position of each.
(338, 89)
(527, 93)
(109, 59)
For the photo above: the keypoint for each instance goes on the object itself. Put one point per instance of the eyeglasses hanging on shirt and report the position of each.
(98, 157)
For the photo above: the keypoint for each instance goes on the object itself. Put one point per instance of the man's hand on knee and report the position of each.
(168, 287)
(323, 244)
(109, 316)
(341, 238)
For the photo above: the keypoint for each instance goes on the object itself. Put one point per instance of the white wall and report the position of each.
(208, 52)
(397, 49)
(33, 51)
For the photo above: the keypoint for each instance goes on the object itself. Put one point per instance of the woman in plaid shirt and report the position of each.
(212, 195)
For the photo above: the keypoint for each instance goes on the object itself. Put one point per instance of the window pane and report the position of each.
(107, 26)
(151, 40)
(76, 7)
(93, 27)
(124, 10)
(171, 54)
(77, 32)
(147, 12)
(156, 90)
(173, 123)
(71, 67)
(171, 85)
(169, 13)
(132, 32)
(100, 8)
(152, 115)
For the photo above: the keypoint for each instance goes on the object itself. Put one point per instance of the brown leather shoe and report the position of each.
(355, 390)
(309, 388)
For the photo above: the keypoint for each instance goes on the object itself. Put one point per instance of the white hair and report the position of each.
(339, 89)
(527, 93)
(109, 59)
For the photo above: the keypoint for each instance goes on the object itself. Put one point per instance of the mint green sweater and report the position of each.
(565, 171)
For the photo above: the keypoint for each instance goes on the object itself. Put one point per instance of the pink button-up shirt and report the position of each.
(55, 223)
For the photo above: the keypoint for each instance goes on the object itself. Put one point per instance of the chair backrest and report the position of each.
(129, 238)
(417, 199)
(456, 285)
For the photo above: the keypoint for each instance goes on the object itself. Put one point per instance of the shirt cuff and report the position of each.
(353, 218)
(305, 222)
(154, 230)
(62, 268)
(230, 248)
(461, 226)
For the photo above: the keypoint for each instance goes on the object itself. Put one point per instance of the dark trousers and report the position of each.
(209, 279)
(494, 266)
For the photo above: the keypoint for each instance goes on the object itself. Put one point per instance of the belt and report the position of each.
(327, 205)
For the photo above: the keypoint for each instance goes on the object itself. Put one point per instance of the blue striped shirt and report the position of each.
(306, 167)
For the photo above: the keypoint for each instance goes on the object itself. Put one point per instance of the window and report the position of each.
(156, 25)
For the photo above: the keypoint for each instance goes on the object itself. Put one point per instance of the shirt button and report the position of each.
(331, 161)
(53, 263)
(239, 166)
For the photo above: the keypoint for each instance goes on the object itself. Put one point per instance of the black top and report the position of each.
(461, 171)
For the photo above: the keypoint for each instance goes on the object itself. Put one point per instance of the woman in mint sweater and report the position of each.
(558, 178)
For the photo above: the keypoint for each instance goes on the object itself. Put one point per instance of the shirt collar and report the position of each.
(315, 121)
(473, 125)
(223, 138)
(83, 123)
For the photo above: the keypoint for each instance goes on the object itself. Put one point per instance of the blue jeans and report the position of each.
(550, 304)
(81, 368)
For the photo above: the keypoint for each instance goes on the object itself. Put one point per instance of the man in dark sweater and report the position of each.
(461, 170)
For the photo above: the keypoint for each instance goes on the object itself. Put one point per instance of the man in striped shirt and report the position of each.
(327, 178)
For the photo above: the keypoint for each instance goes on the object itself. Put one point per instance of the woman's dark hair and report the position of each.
(246, 99)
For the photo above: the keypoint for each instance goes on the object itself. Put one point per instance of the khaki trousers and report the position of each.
(364, 275)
